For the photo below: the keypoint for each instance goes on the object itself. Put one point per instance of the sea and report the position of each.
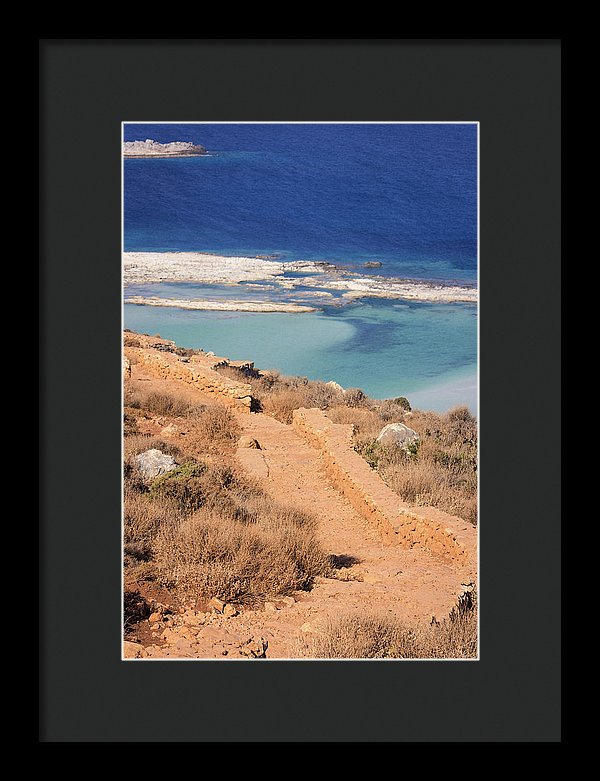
(403, 195)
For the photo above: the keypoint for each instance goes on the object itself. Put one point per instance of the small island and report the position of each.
(150, 148)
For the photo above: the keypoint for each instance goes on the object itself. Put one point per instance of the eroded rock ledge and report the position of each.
(150, 148)
(196, 370)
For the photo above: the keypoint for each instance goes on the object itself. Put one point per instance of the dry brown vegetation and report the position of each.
(205, 529)
(440, 472)
(368, 636)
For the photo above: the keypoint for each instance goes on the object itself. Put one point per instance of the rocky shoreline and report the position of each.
(150, 148)
(313, 279)
(220, 306)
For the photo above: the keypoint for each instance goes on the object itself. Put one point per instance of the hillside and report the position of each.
(272, 534)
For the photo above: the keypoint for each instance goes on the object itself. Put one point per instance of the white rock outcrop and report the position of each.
(150, 148)
(397, 434)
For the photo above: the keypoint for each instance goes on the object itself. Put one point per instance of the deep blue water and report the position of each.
(402, 194)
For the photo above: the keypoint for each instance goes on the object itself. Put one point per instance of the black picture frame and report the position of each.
(87, 88)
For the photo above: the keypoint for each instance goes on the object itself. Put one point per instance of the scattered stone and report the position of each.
(170, 429)
(169, 636)
(335, 385)
(255, 649)
(288, 601)
(249, 442)
(216, 604)
(154, 617)
(229, 611)
(307, 627)
(346, 576)
(398, 434)
(270, 607)
(132, 650)
(153, 463)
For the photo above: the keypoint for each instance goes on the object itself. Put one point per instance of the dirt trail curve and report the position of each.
(412, 584)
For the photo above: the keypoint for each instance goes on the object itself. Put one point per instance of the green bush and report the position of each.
(370, 451)
(183, 486)
(403, 402)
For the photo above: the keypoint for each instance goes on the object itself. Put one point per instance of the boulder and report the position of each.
(373, 264)
(255, 649)
(335, 386)
(217, 605)
(397, 434)
(153, 463)
(247, 441)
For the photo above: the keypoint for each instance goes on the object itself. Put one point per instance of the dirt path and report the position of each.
(410, 585)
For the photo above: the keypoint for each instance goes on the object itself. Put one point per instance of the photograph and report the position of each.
(300, 391)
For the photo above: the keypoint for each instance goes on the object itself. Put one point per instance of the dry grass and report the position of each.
(210, 428)
(377, 637)
(441, 471)
(279, 396)
(139, 443)
(208, 554)
(164, 404)
(281, 403)
(204, 529)
(216, 423)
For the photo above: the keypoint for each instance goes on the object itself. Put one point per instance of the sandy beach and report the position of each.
(204, 268)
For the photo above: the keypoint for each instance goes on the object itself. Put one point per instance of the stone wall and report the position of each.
(195, 370)
(398, 523)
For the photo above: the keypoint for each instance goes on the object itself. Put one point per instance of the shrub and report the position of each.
(370, 451)
(139, 443)
(354, 397)
(208, 555)
(143, 516)
(403, 403)
(440, 470)
(280, 403)
(129, 424)
(216, 423)
(135, 609)
(378, 637)
(183, 487)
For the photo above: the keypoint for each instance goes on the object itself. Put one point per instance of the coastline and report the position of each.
(220, 306)
(163, 155)
(313, 278)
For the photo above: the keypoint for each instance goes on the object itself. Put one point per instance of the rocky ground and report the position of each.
(410, 585)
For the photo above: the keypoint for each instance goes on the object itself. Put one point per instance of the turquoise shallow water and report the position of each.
(427, 352)
(404, 195)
